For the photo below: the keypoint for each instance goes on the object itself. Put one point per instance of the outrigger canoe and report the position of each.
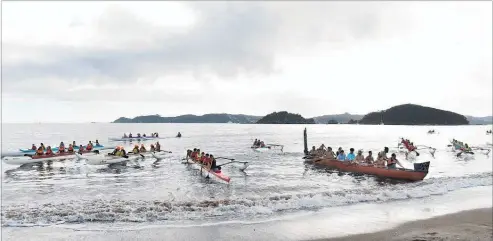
(55, 149)
(21, 160)
(132, 138)
(219, 174)
(105, 159)
(417, 174)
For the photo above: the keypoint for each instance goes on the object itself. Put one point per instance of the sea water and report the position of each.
(277, 190)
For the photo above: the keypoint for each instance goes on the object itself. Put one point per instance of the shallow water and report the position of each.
(276, 184)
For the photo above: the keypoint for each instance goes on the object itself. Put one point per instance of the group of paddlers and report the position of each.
(204, 159)
(155, 134)
(258, 144)
(120, 150)
(382, 160)
(42, 150)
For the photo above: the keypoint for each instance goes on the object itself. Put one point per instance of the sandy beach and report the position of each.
(467, 225)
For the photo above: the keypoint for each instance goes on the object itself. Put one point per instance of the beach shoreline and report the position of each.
(468, 225)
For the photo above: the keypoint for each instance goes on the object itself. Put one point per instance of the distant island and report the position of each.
(208, 118)
(410, 114)
(345, 118)
(284, 117)
(337, 119)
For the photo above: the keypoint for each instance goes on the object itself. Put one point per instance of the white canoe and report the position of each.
(133, 138)
(260, 149)
(21, 160)
(102, 159)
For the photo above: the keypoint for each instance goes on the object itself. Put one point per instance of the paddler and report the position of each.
(158, 146)
(73, 144)
(262, 144)
(384, 153)
(89, 146)
(391, 163)
(49, 151)
(206, 160)
(330, 154)
(369, 158)
(61, 148)
(142, 148)
(97, 143)
(157, 135)
(313, 151)
(43, 146)
(144, 135)
(178, 135)
(138, 135)
(341, 156)
(380, 162)
(338, 151)
(202, 157)
(359, 157)
(136, 149)
(125, 135)
(33, 147)
(39, 152)
(152, 149)
(130, 135)
(214, 165)
(70, 148)
(350, 156)
(81, 149)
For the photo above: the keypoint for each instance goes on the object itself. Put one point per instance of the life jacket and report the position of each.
(203, 159)
(39, 152)
(135, 150)
(89, 147)
(70, 149)
(61, 148)
(143, 149)
(33, 148)
(119, 153)
(193, 155)
(391, 161)
(49, 152)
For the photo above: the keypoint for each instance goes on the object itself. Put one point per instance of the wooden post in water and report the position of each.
(305, 142)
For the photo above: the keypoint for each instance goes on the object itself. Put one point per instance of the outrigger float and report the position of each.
(417, 174)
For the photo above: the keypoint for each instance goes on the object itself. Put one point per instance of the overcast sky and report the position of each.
(97, 61)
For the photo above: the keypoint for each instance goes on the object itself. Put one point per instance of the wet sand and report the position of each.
(464, 226)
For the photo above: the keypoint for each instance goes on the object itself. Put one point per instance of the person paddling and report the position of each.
(143, 148)
(61, 148)
(40, 151)
(360, 159)
(158, 147)
(391, 163)
(33, 147)
(43, 146)
(49, 151)
(369, 158)
(178, 135)
(136, 149)
(341, 156)
(70, 148)
(350, 156)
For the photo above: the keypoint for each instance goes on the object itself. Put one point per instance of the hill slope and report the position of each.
(480, 120)
(410, 114)
(208, 118)
(284, 117)
(340, 118)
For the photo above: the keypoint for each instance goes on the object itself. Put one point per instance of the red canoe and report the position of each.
(419, 173)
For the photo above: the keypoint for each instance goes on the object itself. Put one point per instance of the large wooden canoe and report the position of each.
(419, 173)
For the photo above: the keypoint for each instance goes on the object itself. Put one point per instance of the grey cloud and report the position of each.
(228, 39)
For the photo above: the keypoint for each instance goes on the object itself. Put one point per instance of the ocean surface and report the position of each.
(277, 191)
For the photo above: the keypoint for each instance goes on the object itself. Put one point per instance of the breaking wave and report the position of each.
(136, 211)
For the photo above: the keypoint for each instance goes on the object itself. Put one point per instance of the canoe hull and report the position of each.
(21, 160)
(206, 170)
(400, 174)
